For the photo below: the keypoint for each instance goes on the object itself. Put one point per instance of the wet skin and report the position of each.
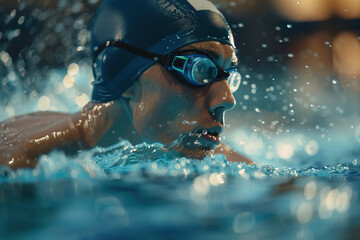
(156, 108)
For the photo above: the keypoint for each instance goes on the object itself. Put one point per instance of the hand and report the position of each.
(231, 155)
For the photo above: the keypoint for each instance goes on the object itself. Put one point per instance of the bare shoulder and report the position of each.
(24, 138)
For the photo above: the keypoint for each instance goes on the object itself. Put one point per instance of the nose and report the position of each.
(220, 100)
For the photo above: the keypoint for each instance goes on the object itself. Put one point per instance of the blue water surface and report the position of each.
(141, 192)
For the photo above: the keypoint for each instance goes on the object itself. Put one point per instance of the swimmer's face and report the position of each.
(164, 109)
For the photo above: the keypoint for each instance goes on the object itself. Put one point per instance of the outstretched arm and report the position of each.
(230, 154)
(24, 138)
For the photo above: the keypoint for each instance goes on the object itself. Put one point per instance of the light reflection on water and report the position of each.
(143, 191)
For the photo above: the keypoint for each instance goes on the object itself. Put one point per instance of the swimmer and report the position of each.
(164, 70)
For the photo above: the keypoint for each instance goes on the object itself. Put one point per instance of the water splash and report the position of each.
(55, 166)
(153, 161)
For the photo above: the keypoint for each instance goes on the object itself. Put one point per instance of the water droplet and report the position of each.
(21, 20)
(44, 103)
(245, 221)
(304, 212)
(357, 133)
(355, 162)
(82, 99)
(141, 106)
(284, 151)
(73, 69)
(189, 122)
(13, 13)
(312, 148)
(68, 81)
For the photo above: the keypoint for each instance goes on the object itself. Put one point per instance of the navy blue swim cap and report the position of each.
(157, 26)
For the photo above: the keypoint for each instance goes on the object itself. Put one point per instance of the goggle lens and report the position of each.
(200, 70)
(234, 80)
(204, 71)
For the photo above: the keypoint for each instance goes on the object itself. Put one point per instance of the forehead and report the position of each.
(222, 53)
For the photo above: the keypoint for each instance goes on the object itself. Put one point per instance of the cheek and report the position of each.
(142, 116)
(152, 112)
(159, 116)
(162, 106)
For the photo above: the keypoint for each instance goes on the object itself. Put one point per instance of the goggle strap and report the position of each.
(222, 74)
(168, 60)
(156, 57)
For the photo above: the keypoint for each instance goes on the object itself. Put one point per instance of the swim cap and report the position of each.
(158, 26)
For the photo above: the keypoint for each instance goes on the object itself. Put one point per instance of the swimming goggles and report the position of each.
(193, 66)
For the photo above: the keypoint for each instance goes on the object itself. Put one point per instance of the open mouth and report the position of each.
(204, 139)
(210, 136)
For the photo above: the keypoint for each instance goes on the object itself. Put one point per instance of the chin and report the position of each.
(194, 146)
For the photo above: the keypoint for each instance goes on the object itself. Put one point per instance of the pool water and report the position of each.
(140, 192)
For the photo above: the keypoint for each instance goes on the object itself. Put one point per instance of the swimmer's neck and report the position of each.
(121, 129)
